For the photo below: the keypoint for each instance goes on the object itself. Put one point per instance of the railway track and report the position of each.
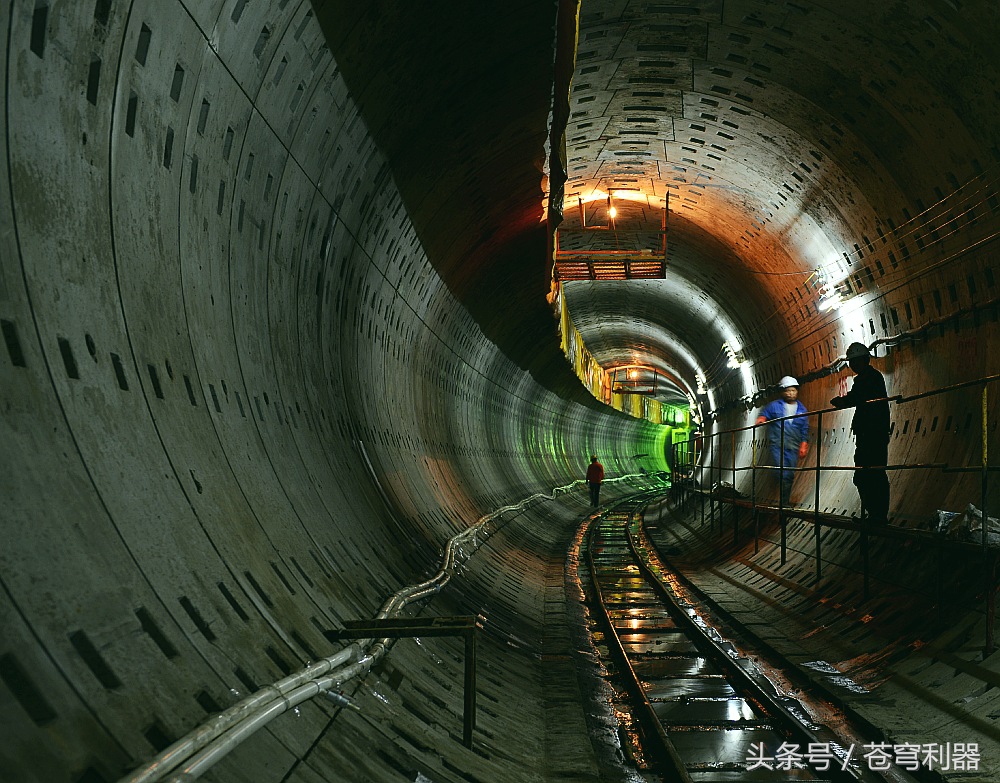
(699, 712)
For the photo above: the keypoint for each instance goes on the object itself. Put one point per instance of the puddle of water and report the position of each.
(822, 666)
(836, 677)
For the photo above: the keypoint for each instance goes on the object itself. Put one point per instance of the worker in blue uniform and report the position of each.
(787, 441)
(871, 428)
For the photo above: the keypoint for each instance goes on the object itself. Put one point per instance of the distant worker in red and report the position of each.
(595, 475)
(871, 427)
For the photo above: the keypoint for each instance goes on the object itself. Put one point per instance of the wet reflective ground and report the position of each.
(715, 730)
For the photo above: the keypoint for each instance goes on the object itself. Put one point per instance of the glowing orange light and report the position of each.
(613, 212)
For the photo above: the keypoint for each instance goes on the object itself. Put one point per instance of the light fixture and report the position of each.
(830, 303)
(734, 354)
(830, 295)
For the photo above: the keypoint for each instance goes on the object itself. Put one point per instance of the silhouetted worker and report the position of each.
(871, 432)
(786, 452)
(595, 475)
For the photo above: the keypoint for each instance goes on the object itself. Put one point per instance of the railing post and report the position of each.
(702, 492)
(753, 489)
(682, 486)
(781, 493)
(940, 587)
(689, 454)
(470, 687)
(681, 457)
(819, 472)
(987, 557)
(863, 521)
(675, 485)
(689, 483)
(718, 481)
(736, 510)
(711, 482)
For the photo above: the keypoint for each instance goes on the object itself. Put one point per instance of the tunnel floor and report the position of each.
(915, 672)
(911, 678)
(543, 710)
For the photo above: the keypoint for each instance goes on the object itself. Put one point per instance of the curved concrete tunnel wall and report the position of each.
(240, 406)
(853, 139)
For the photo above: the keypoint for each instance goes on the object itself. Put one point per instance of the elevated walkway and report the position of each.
(699, 468)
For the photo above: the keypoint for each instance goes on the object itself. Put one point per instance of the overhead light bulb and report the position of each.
(830, 302)
(613, 212)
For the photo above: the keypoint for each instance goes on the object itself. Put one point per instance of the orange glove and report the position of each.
(803, 450)
(761, 419)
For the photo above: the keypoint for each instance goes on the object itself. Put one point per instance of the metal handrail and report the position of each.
(955, 386)
(695, 461)
(896, 398)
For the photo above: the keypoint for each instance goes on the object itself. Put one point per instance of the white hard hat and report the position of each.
(857, 351)
(787, 381)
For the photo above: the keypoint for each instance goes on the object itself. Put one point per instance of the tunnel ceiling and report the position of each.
(782, 138)
(458, 98)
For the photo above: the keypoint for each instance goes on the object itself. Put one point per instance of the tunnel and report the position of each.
(287, 347)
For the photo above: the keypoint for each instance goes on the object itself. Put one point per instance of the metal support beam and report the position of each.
(781, 497)
(465, 626)
(819, 472)
(988, 561)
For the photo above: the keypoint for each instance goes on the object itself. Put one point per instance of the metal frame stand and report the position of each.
(435, 626)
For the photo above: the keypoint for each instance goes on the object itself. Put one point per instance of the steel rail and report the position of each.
(780, 717)
(807, 684)
(784, 720)
(667, 757)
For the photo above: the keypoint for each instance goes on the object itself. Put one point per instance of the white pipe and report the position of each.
(209, 756)
(217, 725)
